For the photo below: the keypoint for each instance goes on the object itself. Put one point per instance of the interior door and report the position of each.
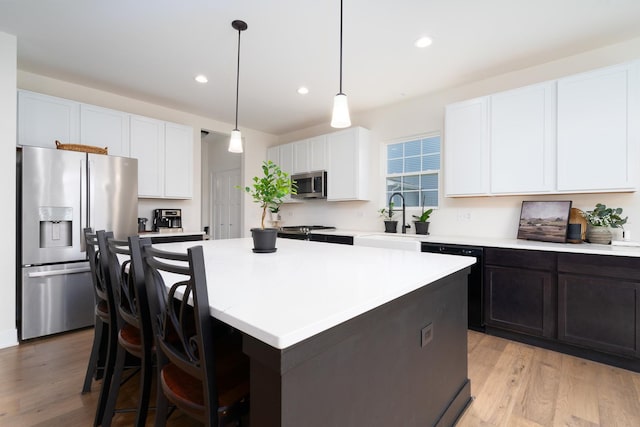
(226, 199)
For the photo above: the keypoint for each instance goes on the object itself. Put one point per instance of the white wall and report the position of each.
(8, 55)
(255, 142)
(488, 216)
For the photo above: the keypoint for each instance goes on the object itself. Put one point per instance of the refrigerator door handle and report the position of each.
(91, 220)
(58, 272)
(83, 203)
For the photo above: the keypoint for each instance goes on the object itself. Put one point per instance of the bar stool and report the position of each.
(205, 377)
(134, 336)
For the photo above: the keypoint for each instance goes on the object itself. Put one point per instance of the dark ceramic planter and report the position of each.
(391, 226)
(421, 227)
(264, 240)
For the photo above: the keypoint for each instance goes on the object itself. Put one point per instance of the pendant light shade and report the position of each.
(340, 117)
(235, 142)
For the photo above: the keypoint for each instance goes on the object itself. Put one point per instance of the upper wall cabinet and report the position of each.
(598, 121)
(164, 150)
(44, 119)
(102, 127)
(178, 140)
(348, 164)
(522, 139)
(147, 145)
(467, 148)
(343, 154)
(310, 154)
(576, 134)
(282, 155)
(165, 158)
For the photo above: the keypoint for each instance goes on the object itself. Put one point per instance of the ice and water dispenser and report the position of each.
(56, 224)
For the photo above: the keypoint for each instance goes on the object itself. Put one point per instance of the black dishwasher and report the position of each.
(476, 277)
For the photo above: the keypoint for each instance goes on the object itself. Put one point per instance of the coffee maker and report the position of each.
(167, 220)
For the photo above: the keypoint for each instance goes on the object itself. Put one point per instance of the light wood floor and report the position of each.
(515, 385)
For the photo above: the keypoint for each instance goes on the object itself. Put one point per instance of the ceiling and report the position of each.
(152, 49)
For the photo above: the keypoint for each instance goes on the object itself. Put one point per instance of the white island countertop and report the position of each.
(305, 288)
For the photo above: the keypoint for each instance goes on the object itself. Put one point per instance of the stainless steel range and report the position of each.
(301, 232)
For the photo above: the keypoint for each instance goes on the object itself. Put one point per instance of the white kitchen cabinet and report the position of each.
(178, 172)
(102, 127)
(598, 120)
(300, 156)
(286, 158)
(317, 153)
(466, 148)
(147, 145)
(282, 155)
(273, 154)
(43, 119)
(522, 140)
(348, 164)
(165, 158)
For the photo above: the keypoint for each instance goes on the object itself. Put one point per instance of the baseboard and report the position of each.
(8, 338)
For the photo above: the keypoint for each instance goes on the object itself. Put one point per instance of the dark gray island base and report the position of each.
(401, 364)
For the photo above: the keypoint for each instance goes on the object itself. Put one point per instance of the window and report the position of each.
(413, 169)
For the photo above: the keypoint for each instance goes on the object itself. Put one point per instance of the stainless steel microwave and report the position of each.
(312, 185)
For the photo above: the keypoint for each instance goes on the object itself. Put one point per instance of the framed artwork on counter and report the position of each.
(546, 221)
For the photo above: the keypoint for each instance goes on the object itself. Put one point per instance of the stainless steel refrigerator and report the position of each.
(63, 192)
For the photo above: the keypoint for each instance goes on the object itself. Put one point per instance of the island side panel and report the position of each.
(373, 369)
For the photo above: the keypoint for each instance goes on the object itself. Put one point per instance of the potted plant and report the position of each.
(600, 220)
(268, 191)
(390, 225)
(422, 221)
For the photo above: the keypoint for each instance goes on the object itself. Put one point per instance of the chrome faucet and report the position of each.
(404, 221)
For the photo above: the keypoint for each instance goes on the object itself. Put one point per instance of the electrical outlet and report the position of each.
(426, 335)
(464, 215)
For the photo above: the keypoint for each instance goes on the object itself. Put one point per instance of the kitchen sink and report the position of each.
(405, 242)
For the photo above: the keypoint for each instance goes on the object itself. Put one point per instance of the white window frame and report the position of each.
(437, 172)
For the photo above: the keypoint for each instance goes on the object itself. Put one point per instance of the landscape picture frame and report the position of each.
(545, 221)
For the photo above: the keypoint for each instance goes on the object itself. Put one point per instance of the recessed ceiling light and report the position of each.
(303, 90)
(201, 78)
(423, 42)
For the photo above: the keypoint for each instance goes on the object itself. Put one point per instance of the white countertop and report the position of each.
(583, 248)
(307, 287)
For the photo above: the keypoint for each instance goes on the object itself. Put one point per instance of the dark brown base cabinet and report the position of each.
(598, 301)
(520, 289)
(586, 305)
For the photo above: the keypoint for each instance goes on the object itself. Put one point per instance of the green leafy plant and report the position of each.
(424, 216)
(269, 190)
(387, 213)
(602, 216)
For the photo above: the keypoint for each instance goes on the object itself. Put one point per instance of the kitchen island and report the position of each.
(344, 336)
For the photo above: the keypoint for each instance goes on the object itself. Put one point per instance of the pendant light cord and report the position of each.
(340, 46)
(238, 79)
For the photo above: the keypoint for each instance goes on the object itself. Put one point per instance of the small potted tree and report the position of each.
(390, 225)
(268, 191)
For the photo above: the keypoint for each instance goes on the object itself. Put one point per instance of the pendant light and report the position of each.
(340, 117)
(235, 143)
